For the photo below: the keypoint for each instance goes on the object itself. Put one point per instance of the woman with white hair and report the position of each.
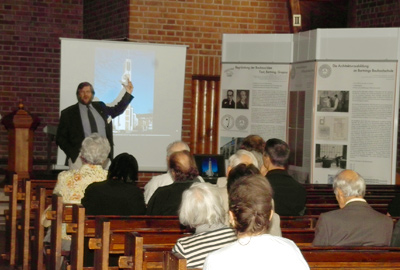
(71, 184)
(202, 209)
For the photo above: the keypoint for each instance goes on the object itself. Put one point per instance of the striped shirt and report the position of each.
(195, 248)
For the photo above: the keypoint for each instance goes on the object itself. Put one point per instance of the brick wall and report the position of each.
(199, 24)
(30, 48)
(373, 13)
(106, 19)
(30, 60)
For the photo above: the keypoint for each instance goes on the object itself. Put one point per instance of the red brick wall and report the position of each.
(30, 60)
(199, 24)
(373, 13)
(30, 48)
(106, 19)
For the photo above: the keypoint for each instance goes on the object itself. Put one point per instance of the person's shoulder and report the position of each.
(161, 177)
(159, 180)
(70, 108)
(65, 174)
(333, 215)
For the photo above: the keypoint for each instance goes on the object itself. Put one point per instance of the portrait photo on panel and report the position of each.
(242, 99)
(229, 101)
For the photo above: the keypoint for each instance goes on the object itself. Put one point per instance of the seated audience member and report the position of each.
(253, 143)
(166, 178)
(289, 195)
(250, 211)
(166, 200)
(241, 156)
(355, 223)
(202, 209)
(240, 171)
(71, 184)
(395, 242)
(118, 195)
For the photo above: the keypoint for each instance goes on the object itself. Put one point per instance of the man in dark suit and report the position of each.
(228, 103)
(356, 223)
(86, 117)
(289, 195)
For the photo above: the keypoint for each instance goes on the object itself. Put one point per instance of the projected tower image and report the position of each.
(119, 66)
(127, 121)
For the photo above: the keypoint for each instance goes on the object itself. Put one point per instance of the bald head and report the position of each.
(183, 166)
(176, 146)
(241, 156)
(349, 184)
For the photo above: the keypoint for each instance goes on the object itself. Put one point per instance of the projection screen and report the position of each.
(157, 71)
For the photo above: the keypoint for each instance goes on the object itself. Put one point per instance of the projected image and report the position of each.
(112, 69)
(209, 167)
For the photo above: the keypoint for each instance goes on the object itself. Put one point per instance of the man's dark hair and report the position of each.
(84, 84)
(278, 151)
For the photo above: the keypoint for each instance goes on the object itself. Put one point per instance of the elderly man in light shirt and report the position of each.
(166, 178)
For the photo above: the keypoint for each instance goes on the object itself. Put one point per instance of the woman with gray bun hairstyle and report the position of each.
(250, 211)
(202, 209)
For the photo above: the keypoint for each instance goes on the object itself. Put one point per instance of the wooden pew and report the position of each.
(20, 216)
(174, 261)
(31, 233)
(14, 215)
(118, 225)
(145, 251)
(108, 241)
(74, 215)
(357, 258)
(293, 222)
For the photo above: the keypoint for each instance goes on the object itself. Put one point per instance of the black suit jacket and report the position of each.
(113, 197)
(289, 195)
(70, 132)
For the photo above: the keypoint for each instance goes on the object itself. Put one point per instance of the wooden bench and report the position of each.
(14, 215)
(74, 216)
(357, 258)
(108, 241)
(293, 222)
(165, 228)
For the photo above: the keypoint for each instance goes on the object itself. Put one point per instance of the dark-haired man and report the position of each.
(289, 195)
(228, 103)
(86, 117)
